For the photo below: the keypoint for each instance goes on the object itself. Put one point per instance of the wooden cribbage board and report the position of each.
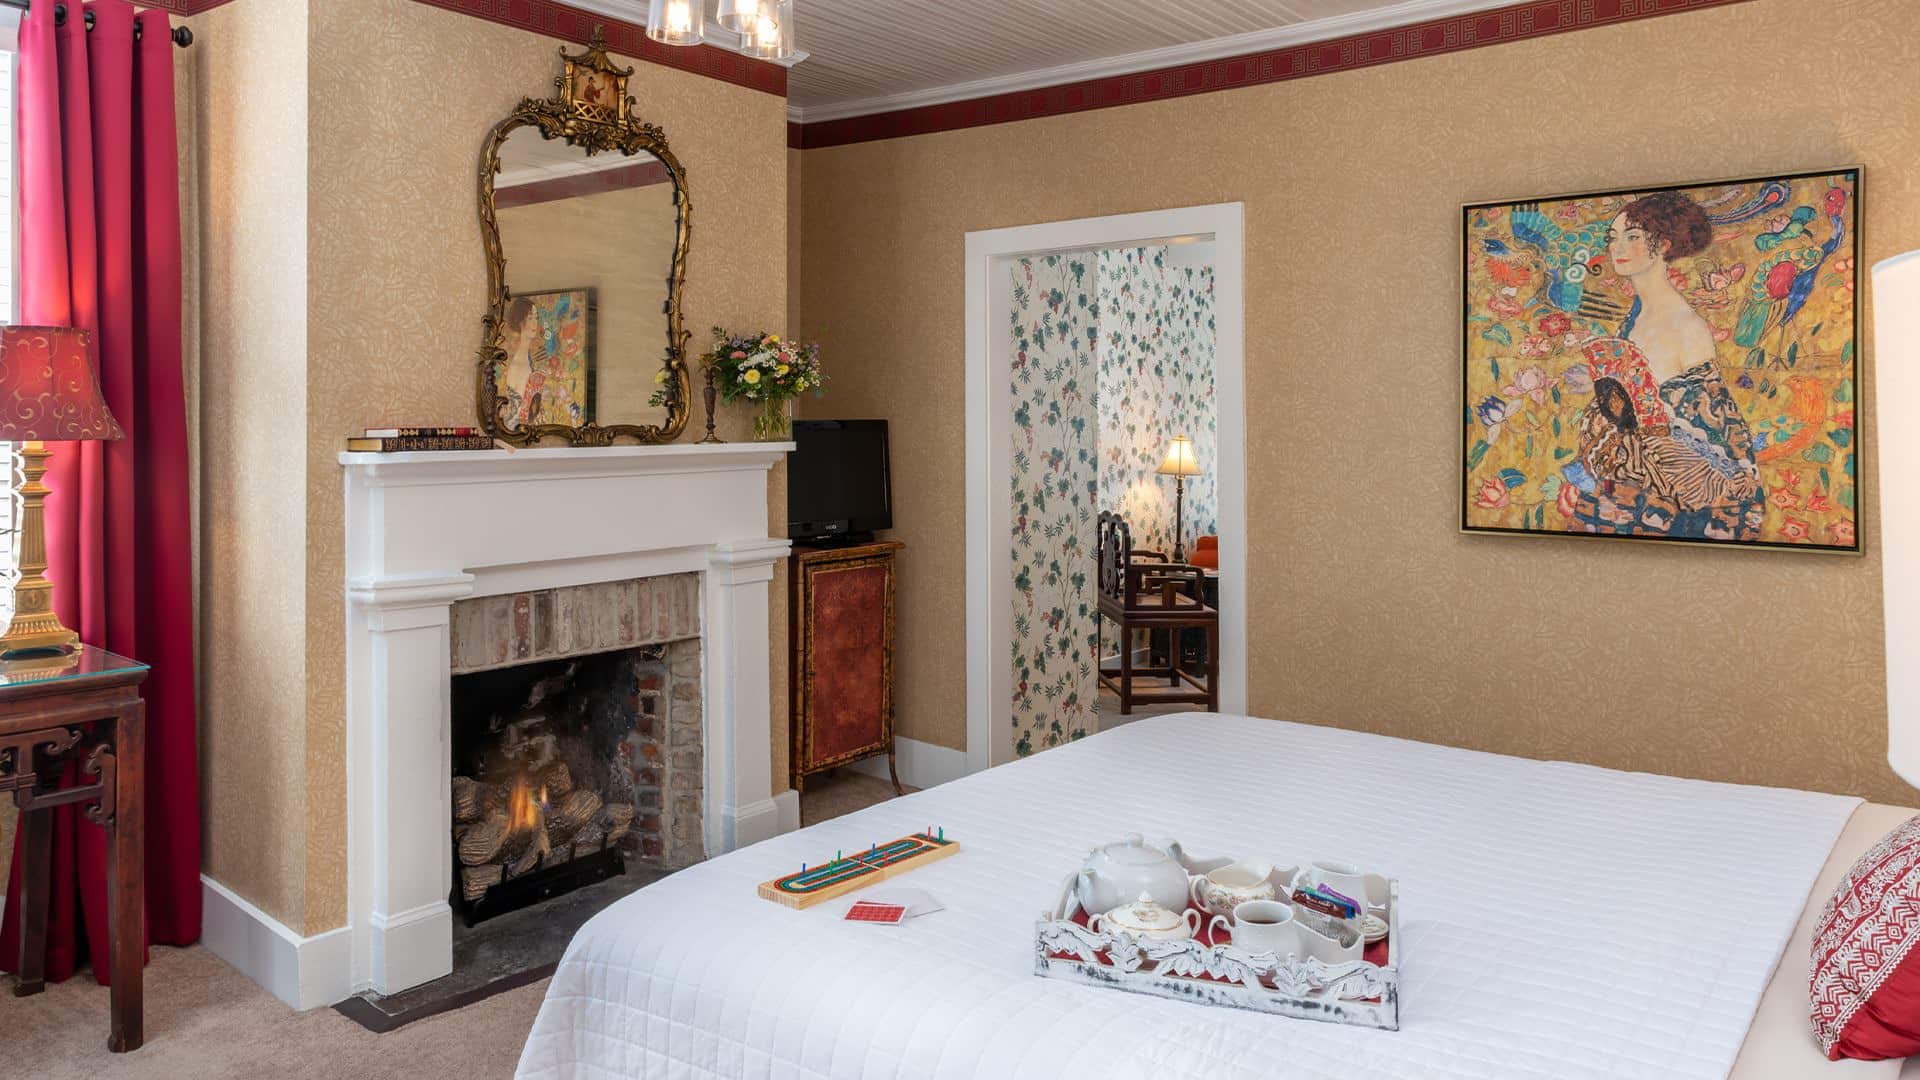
(818, 884)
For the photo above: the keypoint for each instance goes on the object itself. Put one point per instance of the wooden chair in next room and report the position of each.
(1141, 591)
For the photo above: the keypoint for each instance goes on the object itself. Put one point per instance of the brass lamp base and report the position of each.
(35, 630)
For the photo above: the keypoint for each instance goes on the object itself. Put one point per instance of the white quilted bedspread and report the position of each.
(1558, 921)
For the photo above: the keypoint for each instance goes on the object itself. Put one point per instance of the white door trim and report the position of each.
(989, 446)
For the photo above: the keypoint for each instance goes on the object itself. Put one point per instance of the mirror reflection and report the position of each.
(588, 243)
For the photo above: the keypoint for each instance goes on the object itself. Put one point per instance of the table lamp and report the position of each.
(1180, 464)
(48, 393)
(1896, 345)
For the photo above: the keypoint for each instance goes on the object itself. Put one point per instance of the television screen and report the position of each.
(837, 479)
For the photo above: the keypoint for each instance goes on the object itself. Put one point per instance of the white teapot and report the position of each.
(1117, 873)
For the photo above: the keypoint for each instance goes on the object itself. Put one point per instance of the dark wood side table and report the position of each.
(840, 696)
(86, 704)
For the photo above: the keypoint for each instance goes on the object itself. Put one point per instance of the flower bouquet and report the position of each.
(762, 369)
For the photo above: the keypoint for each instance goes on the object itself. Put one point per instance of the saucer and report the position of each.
(1373, 928)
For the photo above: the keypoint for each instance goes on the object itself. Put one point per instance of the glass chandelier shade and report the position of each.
(743, 16)
(772, 36)
(676, 22)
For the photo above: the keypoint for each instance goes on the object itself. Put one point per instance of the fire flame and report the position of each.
(524, 809)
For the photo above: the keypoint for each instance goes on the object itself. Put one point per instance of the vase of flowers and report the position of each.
(766, 373)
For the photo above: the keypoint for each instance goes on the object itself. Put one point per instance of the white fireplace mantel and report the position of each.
(426, 530)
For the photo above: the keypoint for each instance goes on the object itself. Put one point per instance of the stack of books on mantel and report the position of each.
(395, 440)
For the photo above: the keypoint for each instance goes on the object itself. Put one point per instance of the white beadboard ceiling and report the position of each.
(872, 56)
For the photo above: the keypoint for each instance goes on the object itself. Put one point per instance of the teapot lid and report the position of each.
(1144, 914)
(1133, 851)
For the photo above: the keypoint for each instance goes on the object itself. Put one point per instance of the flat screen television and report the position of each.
(838, 484)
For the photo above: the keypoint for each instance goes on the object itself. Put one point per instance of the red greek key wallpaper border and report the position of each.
(569, 23)
(1498, 26)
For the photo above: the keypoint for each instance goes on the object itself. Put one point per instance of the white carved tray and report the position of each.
(1357, 992)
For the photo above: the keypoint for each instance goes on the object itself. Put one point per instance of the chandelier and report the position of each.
(761, 28)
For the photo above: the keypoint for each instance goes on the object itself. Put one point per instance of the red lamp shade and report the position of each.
(48, 391)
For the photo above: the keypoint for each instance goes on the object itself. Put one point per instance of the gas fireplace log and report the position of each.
(529, 743)
(591, 838)
(570, 813)
(466, 799)
(530, 858)
(483, 840)
(475, 880)
(558, 781)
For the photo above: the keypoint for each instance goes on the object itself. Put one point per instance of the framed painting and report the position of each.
(1674, 364)
(548, 371)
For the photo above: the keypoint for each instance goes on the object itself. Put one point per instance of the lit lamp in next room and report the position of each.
(1896, 344)
(1180, 464)
(48, 393)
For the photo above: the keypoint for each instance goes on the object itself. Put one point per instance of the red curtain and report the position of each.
(100, 248)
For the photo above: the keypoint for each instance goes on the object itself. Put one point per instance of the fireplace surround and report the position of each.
(428, 531)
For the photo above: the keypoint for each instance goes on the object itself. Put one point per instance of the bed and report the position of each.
(1558, 920)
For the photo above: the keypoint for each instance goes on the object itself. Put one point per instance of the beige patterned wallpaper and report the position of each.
(1368, 609)
(378, 325)
(249, 80)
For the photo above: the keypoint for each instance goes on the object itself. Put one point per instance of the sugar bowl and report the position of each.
(1146, 918)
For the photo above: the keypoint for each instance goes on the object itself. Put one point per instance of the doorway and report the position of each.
(1078, 330)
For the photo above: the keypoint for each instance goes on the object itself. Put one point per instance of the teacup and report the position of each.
(1259, 926)
(1220, 890)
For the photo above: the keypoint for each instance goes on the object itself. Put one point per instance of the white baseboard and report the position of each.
(410, 948)
(767, 818)
(304, 972)
(922, 764)
(787, 806)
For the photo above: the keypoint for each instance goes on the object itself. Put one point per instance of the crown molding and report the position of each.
(1474, 24)
(1256, 41)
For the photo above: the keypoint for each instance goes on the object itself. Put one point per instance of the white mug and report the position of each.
(1259, 926)
(1347, 880)
(1220, 889)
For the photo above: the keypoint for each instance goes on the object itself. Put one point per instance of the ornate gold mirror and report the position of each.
(584, 214)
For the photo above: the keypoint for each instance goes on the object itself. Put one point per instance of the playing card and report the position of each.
(869, 912)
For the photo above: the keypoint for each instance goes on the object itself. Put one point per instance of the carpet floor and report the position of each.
(206, 1021)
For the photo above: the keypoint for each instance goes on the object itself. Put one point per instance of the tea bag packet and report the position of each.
(1329, 913)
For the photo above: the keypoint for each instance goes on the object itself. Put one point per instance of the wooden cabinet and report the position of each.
(840, 697)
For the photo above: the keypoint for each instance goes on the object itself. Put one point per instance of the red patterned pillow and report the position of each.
(1865, 974)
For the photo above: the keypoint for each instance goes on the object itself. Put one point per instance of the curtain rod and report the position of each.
(182, 36)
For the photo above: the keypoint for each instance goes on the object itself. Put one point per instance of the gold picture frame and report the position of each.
(1769, 270)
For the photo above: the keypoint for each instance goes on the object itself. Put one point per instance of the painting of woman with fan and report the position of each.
(1626, 375)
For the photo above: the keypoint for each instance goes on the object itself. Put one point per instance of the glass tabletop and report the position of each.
(84, 662)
